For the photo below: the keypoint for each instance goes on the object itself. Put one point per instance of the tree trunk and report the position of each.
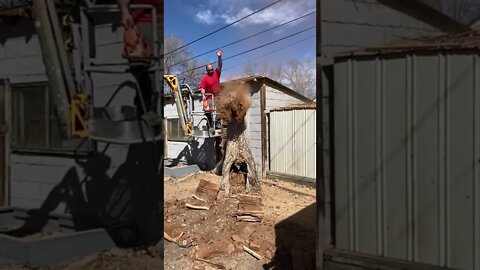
(237, 153)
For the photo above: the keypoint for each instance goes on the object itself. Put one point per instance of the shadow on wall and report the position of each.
(128, 204)
(15, 27)
(295, 239)
(203, 156)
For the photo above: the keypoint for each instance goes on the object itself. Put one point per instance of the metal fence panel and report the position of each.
(407, 157)
(292, 141)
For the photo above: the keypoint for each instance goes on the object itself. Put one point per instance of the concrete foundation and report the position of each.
(55, 243)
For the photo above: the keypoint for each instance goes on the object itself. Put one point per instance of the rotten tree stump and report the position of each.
(237, 153)
(233, 104)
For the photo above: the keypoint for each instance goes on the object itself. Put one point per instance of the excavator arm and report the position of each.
(185, 119)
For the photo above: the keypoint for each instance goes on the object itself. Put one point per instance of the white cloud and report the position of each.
(206, 17)
(229, 11)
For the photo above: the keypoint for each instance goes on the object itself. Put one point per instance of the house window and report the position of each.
(175, 130)
(35, 127)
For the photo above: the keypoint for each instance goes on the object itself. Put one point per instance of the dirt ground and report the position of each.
(287, 229)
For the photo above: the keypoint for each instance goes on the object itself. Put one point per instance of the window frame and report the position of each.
(77, 149)
(168, 131)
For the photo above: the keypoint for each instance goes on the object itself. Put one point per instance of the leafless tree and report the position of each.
(264, 69)
(179, 62)
(301, 77)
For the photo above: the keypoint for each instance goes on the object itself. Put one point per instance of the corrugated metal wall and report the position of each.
(292, 138)
(407, 154)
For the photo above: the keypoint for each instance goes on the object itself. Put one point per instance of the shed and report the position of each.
(266, 94)
(406, 154)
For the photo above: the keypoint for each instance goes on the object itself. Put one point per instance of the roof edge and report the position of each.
(271, 82)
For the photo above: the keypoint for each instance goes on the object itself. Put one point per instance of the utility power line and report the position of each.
(237, 41)
(256, 48)
(269, 53)
(221, 28)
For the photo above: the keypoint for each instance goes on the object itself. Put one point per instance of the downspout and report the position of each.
(323, 212)
(52, 64)
(263, 128)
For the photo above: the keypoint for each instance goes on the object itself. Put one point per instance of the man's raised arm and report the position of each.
(219, 54)
(127, 19)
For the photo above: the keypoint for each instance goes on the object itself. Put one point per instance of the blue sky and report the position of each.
(192, 19)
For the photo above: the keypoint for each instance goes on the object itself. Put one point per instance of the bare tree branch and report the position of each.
(175, 63)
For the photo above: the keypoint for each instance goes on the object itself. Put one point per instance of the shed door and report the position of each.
(4, 140)
(292, 141)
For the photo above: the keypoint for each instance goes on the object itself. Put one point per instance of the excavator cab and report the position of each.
(193, 121)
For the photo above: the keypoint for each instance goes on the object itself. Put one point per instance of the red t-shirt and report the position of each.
(211, 84)
(145, 15)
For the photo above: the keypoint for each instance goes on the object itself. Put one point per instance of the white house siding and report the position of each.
(33, 176)
(20, 57)
(254, 130)
(109, 49)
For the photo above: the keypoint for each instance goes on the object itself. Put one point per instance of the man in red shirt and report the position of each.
(142, 19)
(210, 84)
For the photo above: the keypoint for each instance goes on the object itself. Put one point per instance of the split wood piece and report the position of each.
(197, 204)
(206, 191)
(249, 219)
(255, 244)
(218, 247)
(244, 233)
(252, 252)
(260, 249)
(216, 265)
(249, 208)
(171, 233)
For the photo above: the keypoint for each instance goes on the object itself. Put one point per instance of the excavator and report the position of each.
(185, 98)
(67, 41)
(69, 53)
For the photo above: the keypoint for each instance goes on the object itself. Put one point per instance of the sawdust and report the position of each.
(233, 102)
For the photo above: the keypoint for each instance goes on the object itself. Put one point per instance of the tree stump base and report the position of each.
(238, 157)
